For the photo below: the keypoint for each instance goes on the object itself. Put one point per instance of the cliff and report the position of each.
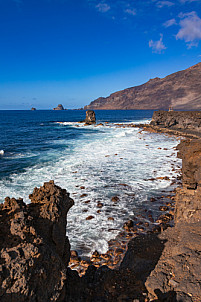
(181, 90)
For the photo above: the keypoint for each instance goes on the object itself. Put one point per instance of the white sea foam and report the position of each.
(101, 162)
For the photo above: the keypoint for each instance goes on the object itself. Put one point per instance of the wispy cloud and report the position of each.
(169, 23)
(130, 11)
(190, 29)
(161, 4)
(188, 1)
(103, 7)
(157, 46)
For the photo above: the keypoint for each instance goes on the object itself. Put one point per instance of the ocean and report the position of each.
(93, 163)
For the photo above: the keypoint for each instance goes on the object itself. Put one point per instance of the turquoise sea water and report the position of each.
(37, 146)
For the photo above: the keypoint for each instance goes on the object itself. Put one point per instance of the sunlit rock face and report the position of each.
(180, 90)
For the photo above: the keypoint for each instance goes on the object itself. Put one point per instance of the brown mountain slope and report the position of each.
(181, 90)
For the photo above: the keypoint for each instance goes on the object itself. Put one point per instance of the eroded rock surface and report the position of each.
(34, 249)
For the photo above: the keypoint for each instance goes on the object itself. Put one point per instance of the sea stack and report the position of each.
(59, 107)
(90, 117)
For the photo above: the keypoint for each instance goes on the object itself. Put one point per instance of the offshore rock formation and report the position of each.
(90, 117)
(34, 249)
(59, 107)
(181, 90)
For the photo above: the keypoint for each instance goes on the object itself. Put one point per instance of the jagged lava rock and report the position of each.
(34, 249)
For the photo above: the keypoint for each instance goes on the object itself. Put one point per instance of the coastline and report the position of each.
(145, 221)
(161, 266)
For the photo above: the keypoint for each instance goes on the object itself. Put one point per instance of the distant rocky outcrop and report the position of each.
(90, 117)
(59, 107)
(33, 109)
(34, 249)
(181, 90)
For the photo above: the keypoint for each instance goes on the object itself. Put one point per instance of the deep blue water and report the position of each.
(27, 137)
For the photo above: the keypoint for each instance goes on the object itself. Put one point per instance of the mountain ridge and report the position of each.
(180, 90)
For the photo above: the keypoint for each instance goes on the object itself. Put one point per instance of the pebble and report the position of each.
(83, 195)
(115, 198)
(110, 218)
(90, 217)
(163, 208)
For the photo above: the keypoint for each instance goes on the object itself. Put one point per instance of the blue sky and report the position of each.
(72, 52)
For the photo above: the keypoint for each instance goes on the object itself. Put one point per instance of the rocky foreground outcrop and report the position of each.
(34, 249)
(180, 90)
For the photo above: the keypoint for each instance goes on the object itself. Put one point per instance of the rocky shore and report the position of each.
(162, 265)
(185, 123)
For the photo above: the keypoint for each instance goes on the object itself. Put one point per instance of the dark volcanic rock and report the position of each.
(181, 90)
(185, 121)
(59, 107)
(34, 249)
(90, 117)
